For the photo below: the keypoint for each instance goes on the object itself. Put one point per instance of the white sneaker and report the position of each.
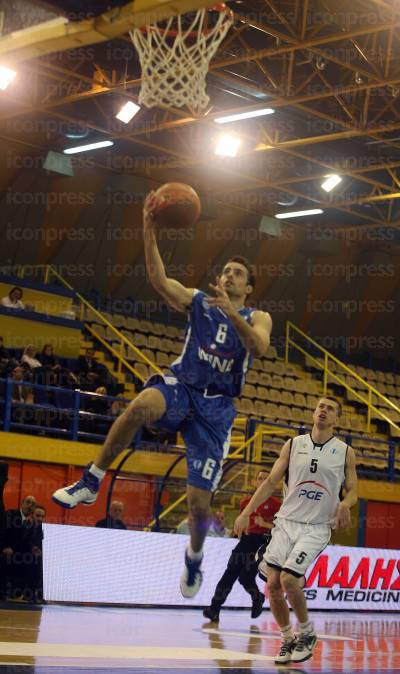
(285, 654)
(191, 578)
(83, 491)
(304, 647)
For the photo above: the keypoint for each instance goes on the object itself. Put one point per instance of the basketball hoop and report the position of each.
(175, 56)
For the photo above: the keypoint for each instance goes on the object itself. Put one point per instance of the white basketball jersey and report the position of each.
(313, 480)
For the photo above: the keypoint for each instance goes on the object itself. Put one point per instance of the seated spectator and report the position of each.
(217, 526)
(93, 374)
(98, 404)
(87, 363)
(33, 590)
(14, 299)
(29, 359)
(47, 358)
(16, 542)
(88, 371)
(117, 407)
(51, 368)
(4, 354)
(113, 520)
(21, 392)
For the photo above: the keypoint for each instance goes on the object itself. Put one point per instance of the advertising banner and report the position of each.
(86, 564)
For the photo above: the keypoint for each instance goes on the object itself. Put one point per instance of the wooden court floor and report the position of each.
(62, 639)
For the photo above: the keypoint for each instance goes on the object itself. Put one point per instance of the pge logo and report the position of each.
(312, 494)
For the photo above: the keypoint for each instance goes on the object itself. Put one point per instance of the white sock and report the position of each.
(306, 628)
(194, 556)
(287, 633)
(97, 472)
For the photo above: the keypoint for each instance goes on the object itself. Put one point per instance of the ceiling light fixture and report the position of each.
(244, 115)
(6, 77)
(227, 146)
(89, 146)
(298, 214)
(331, 182)
(127, 112)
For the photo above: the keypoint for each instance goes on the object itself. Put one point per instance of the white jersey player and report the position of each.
(314, 468)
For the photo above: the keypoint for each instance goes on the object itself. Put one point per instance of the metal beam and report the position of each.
(305, 44)
(60, 34)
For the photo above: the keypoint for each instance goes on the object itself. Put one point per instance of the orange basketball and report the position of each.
(176, 205)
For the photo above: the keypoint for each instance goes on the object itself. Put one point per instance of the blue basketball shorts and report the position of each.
(205, 424)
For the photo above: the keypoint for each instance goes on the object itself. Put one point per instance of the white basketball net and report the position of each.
(175, 58)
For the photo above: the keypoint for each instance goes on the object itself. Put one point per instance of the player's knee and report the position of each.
(289, 582)
(198, 510)
(145, 408)
(274, 588)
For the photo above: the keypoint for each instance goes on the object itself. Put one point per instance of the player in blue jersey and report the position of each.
(196, 396)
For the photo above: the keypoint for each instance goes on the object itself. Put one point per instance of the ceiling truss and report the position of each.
(335, 88)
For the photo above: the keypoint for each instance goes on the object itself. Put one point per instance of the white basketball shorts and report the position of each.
(295, 545)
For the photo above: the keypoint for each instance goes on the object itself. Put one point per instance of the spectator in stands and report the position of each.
(4, 354)
(99, 403)
(113, 519)
(217, 526)
(33, 590)
(7, 362)
(93, 374)
(89, 371)
(87, 363)
(117, 407)
(50, 364)
(29, 360)
(16, 542)
(21, 393)
(14, 299)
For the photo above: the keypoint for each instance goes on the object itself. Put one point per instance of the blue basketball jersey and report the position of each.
(213, 357)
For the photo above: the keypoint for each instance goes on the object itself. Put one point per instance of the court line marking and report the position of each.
(121, 652)
(8, 627)
(316, 670)
(266, 635)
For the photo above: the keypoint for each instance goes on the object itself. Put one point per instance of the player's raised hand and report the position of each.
(148, 207)
(221, 298)
(241, 524)
(343, 517)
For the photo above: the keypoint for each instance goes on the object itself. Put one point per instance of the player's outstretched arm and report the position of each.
(175, 294)
(265, 490)
(343, 516)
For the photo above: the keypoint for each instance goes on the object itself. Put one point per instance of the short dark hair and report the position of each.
(16, 288)
(251, 274)
(335, 400)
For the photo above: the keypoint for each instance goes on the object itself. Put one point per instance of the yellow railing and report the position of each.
(328, 358)
(265, 430)
(48, 273)
(122, 339)
(115, 353)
